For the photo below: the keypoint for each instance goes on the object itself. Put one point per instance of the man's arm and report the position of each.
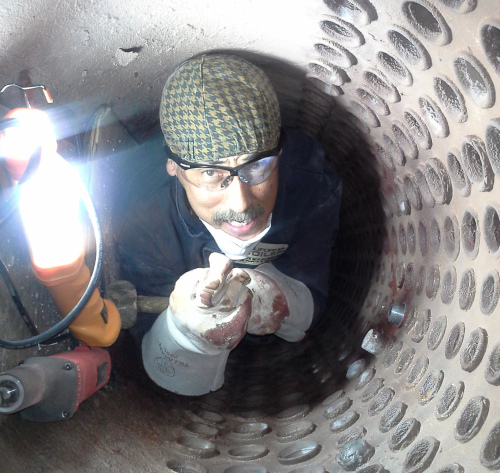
(186, 350)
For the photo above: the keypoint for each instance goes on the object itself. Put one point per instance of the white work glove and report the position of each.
(186, 350)
(281, 305)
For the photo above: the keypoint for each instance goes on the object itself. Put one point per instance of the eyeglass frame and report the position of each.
(233, 171)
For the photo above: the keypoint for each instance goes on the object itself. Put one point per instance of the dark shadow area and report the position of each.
(135, 426)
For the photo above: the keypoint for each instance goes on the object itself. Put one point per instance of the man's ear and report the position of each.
(171, 167)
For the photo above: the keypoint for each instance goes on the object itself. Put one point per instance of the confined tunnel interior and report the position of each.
(403, 97)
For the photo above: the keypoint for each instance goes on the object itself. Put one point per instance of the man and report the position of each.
(242, 193)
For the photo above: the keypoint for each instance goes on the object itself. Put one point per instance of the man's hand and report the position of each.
(269, 305)
(212, 307)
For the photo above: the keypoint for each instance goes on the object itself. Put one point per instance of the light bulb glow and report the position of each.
(50, 211)
(19, 142)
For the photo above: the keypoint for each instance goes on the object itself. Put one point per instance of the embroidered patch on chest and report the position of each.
(264, 253)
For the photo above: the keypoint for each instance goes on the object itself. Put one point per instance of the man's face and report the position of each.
(239, 210)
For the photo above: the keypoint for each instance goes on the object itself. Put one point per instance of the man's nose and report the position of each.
(239, 196)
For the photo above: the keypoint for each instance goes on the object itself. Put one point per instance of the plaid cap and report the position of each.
(217, 106)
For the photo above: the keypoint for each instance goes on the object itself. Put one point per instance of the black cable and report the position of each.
(4, 272)
(94, 281)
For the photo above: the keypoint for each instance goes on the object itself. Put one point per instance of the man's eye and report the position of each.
(209, 174)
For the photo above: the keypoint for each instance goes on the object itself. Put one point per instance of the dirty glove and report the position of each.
(281, 305)
(186, 350)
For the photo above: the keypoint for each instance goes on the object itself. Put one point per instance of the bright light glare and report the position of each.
(35, 130)
(49, 207)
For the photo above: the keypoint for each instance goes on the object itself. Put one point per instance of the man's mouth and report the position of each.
(239, 224)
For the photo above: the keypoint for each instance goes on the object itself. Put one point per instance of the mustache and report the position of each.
(229, 215)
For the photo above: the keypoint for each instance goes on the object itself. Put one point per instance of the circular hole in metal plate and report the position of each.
(490, 40)
(405, 434)
(248, 452)
(404, 361)
(246, 469)
(333, 397)
(419, 280)
(477, 164)
(420, 457)
(392, 416)
(460, 6)
(354, 454)
(384, 397)
(455, 339)
(335, 53)
(203, 430)
(472, 418)
(431, 387)
(436, 332)
(328, 73)
(423, 321)
(427, 197)
(354, 433)
(295, 431)
(417, 372)
(451, 240)
(250, 430)
(409, 48)
(470, 233)
(405, 140)
(392, 354)
(374, 386)
(450, 400)
(434, 236)
(474, 350)
(210, 417)
(343, 32)
(181, 466)
(396, 70)
(433, 280)
(428, 22)
(490, 290)
(491, 225)
(449, 285)
(376, 103)
(474, 80)
(458, 176)
(493, 144)
(381, 86)
(439, 181)
(467, 289)
(451, 99)
(418, 129)
(422, 239)
(344, 421)
(356, 368)
(452, 468)
(402, 238)
(365, 378)
(395, 154)
(294, 413)
(490, 449)
(356, 11)
(196, 447)
(368, 116)
(412, 240)
(434, 117)
(298, 452)
(338, 407)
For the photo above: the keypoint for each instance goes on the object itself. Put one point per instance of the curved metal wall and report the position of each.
(403, 94)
